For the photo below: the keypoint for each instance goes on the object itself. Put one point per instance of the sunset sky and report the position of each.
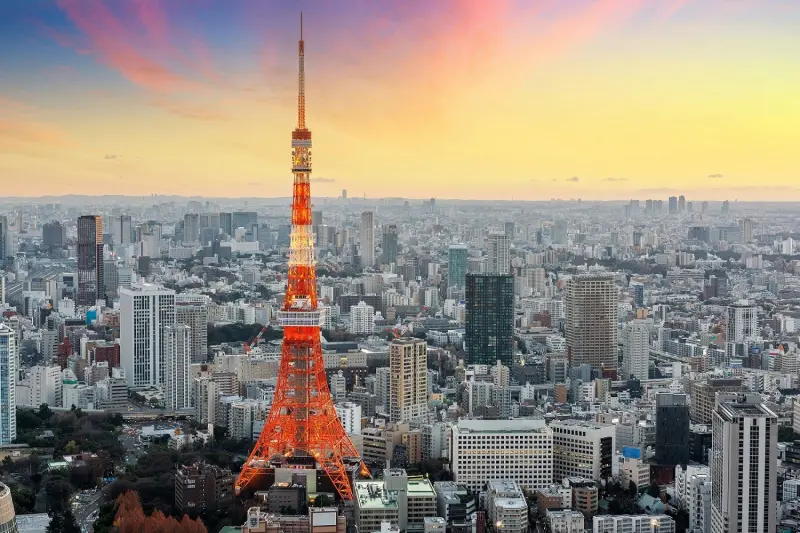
(473, 99)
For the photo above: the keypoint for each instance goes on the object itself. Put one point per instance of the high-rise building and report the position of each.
(177, 346)
(226, 223)
(9, 358)
(389, 244)
(145, 310)
(489, 335)
(191, 228)
(408, 386)
(122, 230)
(457, 266)
(673, 205)
(672, 429)
(744, 464)
(519, 450)
(499, 254)
(742, 320)
(367, 239)
(636, 350)
(90, 259)
(746, 230)
(591, 322)
(4, 248)
(582, 449)
(681, 203)
(203, 487)
(510, 229)
(54, 234)
(193, 311)
(362, 319)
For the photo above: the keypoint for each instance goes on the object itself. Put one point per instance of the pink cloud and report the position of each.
(18, 131)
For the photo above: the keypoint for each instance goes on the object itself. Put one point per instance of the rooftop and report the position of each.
(514, 425)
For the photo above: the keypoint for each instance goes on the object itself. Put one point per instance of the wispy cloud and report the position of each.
(715, 176)
(573, 179)
(615, 179)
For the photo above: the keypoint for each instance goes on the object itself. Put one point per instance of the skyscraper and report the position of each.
(121, 230)
(53, 234)
(3, 240)
(176, 387)
(744, 459)
(499, 254)
(672, 429)
(90, 259)
(742, 321)
(408, 386)
(746, 230)
(8, 385)
(367, 239)
(145, 310)
(681, 203)
(673, 205)
(636, 350)
(192, 310)
(489, 335)
(591, 322)
(389, 244)
(457, 266)
(191, 228)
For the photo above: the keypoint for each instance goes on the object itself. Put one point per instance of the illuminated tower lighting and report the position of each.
(302, 421)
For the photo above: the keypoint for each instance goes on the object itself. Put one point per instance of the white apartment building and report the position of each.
(9, 357)
(145, 310)
(636, 350)
(742, 320)
(698, 502)
(362, 319)
(499, 254)
(633, 523)
(42, 386)
(350, 415)
(743, 460)
(408, 379)
(682, 476)
(338, 386)
(582, 449)
(566, 521)
(519, 450)
(634, 471)
(177, 393)
(192, 310)
(506, 507)
(791, 490)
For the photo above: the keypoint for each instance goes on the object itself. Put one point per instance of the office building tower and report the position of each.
(703, 394)
(121, 230)
(519, 450)
(191, 228)
(90, 260)
(226, 223)
(489, 335)
(673, 205)
(192, 311)
(408, 386)
(681, 203)
(4, 246)
(746, 230)
(54, 235)
(177, 345)
(145, 310)
(499, 260)
(744, 464)
(510, 229)
(582, 449)
(591, 322)
(742, 320)
(560, 232)
(672, 429)
(636, 350)
(638, 295)
(243, 219)
(9, 359)
(726, 207)
(389, 244)
(367, 239)
(457, 266)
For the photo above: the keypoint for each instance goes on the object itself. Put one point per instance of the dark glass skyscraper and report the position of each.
(389, 248)
(672, 429)
(90, 259)
(490, 318)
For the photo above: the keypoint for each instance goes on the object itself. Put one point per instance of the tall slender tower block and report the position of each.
(302, 423)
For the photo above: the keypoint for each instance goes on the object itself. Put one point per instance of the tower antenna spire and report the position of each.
(301, 93)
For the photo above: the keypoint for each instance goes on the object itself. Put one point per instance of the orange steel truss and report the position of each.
(302, 421)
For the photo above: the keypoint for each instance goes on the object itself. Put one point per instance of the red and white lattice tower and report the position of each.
(302, 422)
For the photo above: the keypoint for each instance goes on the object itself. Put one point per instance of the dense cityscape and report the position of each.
(397, 365)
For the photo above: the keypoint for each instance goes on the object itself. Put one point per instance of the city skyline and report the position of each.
(658, 98)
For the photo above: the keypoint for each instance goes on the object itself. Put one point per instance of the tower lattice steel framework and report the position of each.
(302, 421)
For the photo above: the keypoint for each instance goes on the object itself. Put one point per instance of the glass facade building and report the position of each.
(489, 335)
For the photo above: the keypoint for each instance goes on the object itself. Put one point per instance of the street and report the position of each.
(85, 507)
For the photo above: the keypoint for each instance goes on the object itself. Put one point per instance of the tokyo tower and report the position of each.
(302, 423)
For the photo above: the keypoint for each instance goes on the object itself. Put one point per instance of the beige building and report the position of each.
(8, 520)
(408, 379)
(703, 397)
(591, 322)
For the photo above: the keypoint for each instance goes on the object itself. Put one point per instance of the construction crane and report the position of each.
(248, 345)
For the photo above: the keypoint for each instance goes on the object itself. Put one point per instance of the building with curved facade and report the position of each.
(8, 520)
